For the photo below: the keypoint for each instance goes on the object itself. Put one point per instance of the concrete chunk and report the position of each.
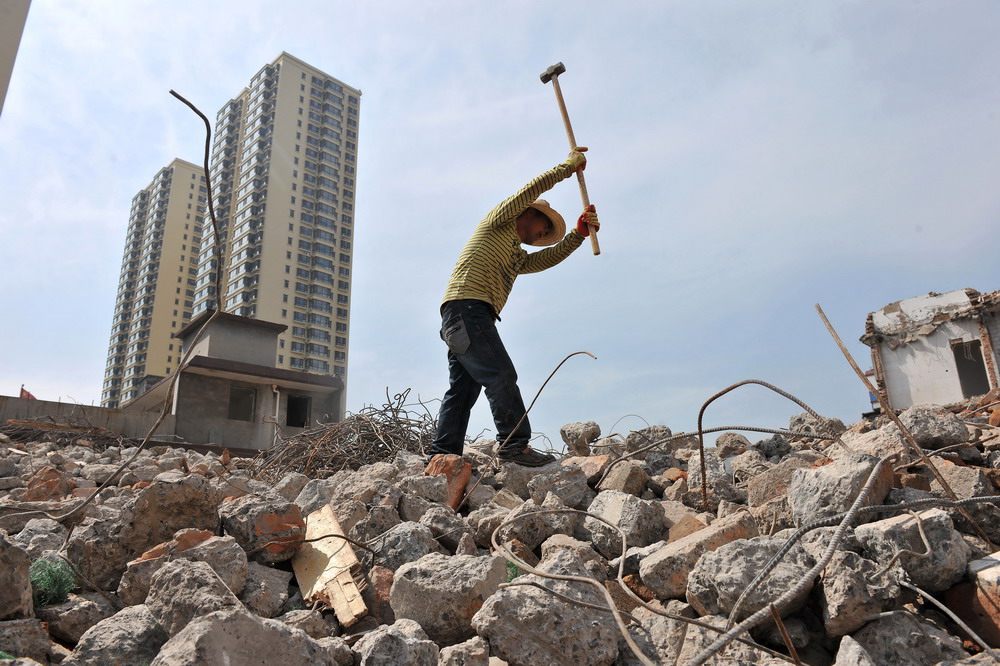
(578, 437)
(131, 635)
(406, 542)
(223, 554)
(720, 576)
(401, 643)
(15, 590)
(235, 636)
(665, 571)
(525, 625)
(270, 529)
(443, 593)
(568, 484)
(183, 590)
(831, 489)
(904, 640)
(26, 638)
(949, 553)
(642, 522)
(850, 592)
(266, 589)
(69, 620)
(626, 477)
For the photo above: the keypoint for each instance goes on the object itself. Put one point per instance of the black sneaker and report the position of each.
(528, 457)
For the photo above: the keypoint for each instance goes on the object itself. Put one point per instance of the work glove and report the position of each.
(587, 219)
(577, 161)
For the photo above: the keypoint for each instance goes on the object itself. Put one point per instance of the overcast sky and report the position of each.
(748, 160)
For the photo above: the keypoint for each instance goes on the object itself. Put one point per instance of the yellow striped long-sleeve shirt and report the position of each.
(493, 257)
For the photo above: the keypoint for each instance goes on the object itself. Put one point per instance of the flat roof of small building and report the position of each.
(196, 323)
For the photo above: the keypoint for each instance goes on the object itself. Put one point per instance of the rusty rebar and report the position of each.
(701, 414)
(899, 553)
(513, 559)
(658, 443)
(776, 616)
(805, 580)
(500, 446)
(954, 618)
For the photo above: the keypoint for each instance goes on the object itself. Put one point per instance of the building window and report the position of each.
(241, 403)
(315, 364)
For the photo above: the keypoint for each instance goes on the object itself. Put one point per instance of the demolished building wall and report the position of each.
(937, 348)
(131, 423)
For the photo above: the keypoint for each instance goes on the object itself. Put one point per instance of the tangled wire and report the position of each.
(369, 436)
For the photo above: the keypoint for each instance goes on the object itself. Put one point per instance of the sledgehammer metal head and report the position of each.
(552, 72)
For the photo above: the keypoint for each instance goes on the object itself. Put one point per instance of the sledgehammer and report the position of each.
(552, 74)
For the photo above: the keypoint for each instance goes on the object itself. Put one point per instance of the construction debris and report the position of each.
(65, 434)
(325, 566)
(935, 348)
(369, 436)
(849, 556)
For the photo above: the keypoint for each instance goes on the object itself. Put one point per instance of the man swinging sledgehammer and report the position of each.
(476, 293)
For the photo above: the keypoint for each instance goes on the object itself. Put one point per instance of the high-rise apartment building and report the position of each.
(156, 287)
(283, 175)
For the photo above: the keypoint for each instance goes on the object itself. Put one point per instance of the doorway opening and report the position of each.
(971, 367)
(297, 411)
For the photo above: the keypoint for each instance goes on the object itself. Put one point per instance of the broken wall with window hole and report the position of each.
(925, 370)
(938, 348)
(241, 413)
(205, 404)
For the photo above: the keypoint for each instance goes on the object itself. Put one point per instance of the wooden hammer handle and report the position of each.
(594, 245)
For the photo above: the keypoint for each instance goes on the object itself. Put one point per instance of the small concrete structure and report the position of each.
(935, 349)
(230, 394)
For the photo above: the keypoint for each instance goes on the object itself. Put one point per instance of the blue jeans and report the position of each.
(477, 360)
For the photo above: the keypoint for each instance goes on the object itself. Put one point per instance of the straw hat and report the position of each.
(558, 224)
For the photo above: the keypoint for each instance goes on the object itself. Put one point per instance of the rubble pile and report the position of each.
(371, 435)
(187, 559)
(66, 434)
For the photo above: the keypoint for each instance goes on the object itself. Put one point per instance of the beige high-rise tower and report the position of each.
(283, 175)
(156, 287)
